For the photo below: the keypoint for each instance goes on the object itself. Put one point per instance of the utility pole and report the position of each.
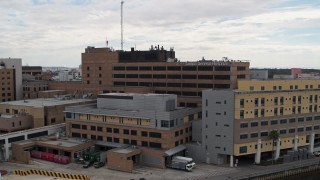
(122, 25)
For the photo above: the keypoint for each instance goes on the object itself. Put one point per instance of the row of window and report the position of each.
(173, 76)
(163, 84)
(177, 68)
(280, 111)
(281, 131)
(262, 88)
(280, 100)
(117, 140)
(117, 130)
(281, 121)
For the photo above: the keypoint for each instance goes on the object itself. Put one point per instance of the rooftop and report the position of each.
(43, 102)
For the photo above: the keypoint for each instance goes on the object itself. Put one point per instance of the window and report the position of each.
(254, 135)
(84, 127)
(116, 130)
(116, 140)
(264, 134)
(309, 128)
(283, 121)
(93, 128)
(301, 129)
(164, 123)
(93, 137)
(309, 118)
(154, 135)
(133, 142)
(133, 132)
(100, 138)
(109, 130)
(174, 68)
(109, 139)
(264, 123)
(274, 122)
(75, 126)
(243, 149)
(125, 141)
(293, 130)
(155, 145)
(125, 131)
(144, 143)
(243, 125)
(241, 103)
(292, 120)
(243, 136)
(317, 118)
(132, 68)
(99, 128)
(241, 114)
(316, 127)
(144, 133)
(254, 124)
(159, 68)
(283, 131)
(301, 119)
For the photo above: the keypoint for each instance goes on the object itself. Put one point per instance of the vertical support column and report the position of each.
(311, 142)
(296, 139)
(6, 150)
(231, 160)
(278, 149)
(258, 153)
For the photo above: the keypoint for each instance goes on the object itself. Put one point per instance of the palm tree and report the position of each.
(274, 135)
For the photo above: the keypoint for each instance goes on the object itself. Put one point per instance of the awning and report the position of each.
(175, 150)
(109, 144)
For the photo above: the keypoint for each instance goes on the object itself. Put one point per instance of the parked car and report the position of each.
(317, 153)
(98, 164)
(88, 164)
(80, 161)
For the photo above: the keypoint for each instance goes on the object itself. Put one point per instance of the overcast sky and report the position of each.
(270, 33)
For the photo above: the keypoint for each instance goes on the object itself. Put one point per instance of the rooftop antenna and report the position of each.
(122, 25)
(107, 41)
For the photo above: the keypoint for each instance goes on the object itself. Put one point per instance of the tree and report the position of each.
(273, 135)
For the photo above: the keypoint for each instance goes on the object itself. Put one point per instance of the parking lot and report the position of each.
(202, 171)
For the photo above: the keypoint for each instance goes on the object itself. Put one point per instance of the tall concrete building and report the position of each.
(151, 124)
(11, 79)
(154, 71)
(237, 123)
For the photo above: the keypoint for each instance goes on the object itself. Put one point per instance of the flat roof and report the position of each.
(62, 142)
(125, 150)
(134, 94)
(42, 102)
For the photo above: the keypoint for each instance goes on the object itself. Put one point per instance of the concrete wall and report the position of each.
(196, 152)
(217, 125)
(147, 102)
(258, 74)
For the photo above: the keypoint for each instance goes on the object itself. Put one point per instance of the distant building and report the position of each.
(31, 88)
(295, 72)
(72, 75)
(44, 112)
(261, 74)
(11, 79)
(154, 71)
(32, 70)
(151, 123)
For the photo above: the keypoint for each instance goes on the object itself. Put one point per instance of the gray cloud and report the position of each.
(56, 32)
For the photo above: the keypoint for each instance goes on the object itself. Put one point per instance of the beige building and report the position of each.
(11, 123)
(237, 123)
(43, 111)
